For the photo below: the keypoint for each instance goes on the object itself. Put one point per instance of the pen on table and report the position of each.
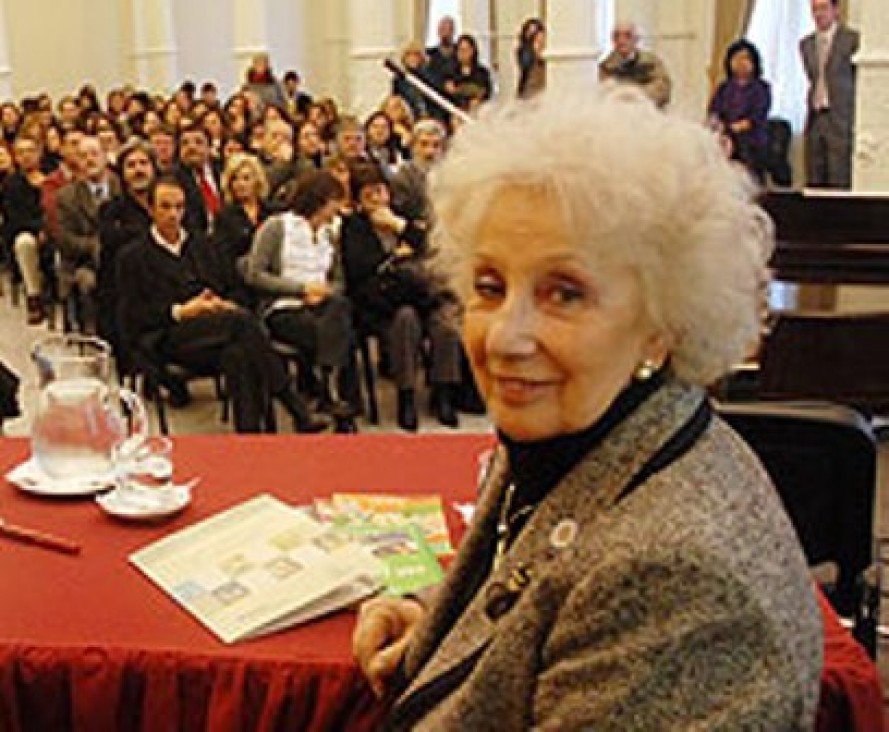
(38, 538)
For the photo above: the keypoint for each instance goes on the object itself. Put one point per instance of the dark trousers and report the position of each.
(323, 336)
(828, 152)
(321, 333)
(405, 336)
(235, 345)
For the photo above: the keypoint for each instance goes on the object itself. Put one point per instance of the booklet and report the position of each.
(426, 512)
(259, 567)
(410, 564)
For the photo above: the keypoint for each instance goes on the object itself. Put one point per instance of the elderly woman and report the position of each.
(294, 268)
(629, 565)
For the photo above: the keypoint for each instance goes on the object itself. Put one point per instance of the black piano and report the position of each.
(830, 237)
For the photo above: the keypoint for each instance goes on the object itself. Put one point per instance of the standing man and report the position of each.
(441, 64)
(629, 64)
(830, 121)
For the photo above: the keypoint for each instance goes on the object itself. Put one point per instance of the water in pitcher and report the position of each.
(75, 432)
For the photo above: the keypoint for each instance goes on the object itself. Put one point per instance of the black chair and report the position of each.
(144, 368)
(837, 357)
(822, 460)
(777, 161)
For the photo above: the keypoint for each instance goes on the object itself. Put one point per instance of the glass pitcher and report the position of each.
(79, 418)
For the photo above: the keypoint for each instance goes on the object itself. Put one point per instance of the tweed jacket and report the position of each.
(79, 221)
(646, 70)
(685, 605)
(840, 74)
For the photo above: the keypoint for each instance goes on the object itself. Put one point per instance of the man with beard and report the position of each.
(122, 220)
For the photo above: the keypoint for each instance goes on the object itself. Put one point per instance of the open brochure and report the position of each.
(259, 567)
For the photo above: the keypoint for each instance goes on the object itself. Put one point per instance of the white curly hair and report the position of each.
(638, 187)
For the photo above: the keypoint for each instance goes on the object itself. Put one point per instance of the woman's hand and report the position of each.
(385, 626)
(384, 218)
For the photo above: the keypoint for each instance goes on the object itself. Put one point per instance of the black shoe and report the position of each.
(443, 405)
(311, 427)
(303, 419)
(345, 426)
(407, 410)
(179, 396)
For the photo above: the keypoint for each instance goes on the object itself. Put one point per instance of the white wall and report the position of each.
(204, 31)
(57, 45)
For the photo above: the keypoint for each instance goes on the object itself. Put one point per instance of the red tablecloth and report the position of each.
(89, 644)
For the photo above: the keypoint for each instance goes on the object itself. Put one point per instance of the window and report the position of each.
(776, 27)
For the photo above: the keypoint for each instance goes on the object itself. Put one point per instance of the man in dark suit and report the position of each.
(830, 122)
(122, 220)
(173, 306)
(441, 64)
(200, 177)
(78, 208)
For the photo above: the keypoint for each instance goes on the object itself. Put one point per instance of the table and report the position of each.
(88, 643)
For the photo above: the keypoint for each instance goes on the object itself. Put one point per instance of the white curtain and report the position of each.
(776, 27)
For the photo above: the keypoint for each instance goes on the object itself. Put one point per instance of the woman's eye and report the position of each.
(487, 286)
(564, 293)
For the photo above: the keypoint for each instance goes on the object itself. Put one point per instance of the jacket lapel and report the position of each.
(459, 627)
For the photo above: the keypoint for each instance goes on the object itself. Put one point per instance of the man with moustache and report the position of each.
(122, 220)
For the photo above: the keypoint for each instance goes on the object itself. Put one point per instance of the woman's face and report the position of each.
(742, 65)
(52, 140)
(378, 131)
(213, 125)
(465, 52)
(552, 336)
(243, 184)
(372, 197)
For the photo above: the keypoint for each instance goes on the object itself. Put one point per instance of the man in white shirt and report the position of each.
(830, 122)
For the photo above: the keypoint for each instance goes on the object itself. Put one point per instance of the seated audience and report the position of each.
(294, 267)
(410, 183)
(383, 146)
(629, 64)
(173, 305)
(23, 222)
(471, 83)
(629, 564)
(399, 112)
(740, 106)
(79, 241)
(245, 191)
(413, 60)
(296, 101)
(394, 298)
(122, 220)
(199, 175)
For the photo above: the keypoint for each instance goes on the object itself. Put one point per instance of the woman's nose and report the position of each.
(513, 329)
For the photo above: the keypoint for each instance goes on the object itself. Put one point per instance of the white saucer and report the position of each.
(146, 504)
(30, 478)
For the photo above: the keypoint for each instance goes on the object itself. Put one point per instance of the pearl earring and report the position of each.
(645, 370)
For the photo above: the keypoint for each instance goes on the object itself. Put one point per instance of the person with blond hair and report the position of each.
(629, 564)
